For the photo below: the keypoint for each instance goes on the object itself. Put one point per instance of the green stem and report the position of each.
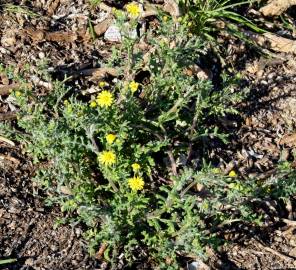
(6, 261)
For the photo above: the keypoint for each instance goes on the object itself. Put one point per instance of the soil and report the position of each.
(260, 140)
(27, 225)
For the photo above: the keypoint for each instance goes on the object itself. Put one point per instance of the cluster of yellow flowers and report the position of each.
(136, 183)
(108, 157)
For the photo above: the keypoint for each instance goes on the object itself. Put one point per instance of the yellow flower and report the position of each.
(110, 138)
(136, 183)
(18, 93)
(133, 10)
(93, 104)
(102, 84)
(216, 170)
(105, 99)
(165, 18)
(133, 86)
(136, 167)
(232, 174)
(236, 186)
(107, 158)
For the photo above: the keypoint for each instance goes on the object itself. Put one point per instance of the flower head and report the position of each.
(105, 99)
(136, 183)
(93, 104)
(18, 93)
(133, 10)
(107, 158)
(133, 86)
(232, 174)
(216, 170)
(102, 84)
(110, 138)
(136, 167)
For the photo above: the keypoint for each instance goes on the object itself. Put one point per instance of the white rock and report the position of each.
(197, 265)
(113, 34)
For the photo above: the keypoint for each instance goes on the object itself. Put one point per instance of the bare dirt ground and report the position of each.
(263, 135)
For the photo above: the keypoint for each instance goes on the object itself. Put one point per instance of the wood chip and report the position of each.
(7, 116)
(195, 70)
(105, 7)
(3, 139)
(100, 253)
(67, 37)
(53, 6)
(65, 190)
(7, 89)
(172, 8)
(38, 82)
(38, 35)
(15, 161)
(289, 140)
(273, 42)
(4, 78)
(276, 7)
(102, 27)
(274, 252)
(100, 73)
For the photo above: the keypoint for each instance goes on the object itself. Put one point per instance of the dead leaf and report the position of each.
(276, 7)
(102, 27)
(288, 140)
